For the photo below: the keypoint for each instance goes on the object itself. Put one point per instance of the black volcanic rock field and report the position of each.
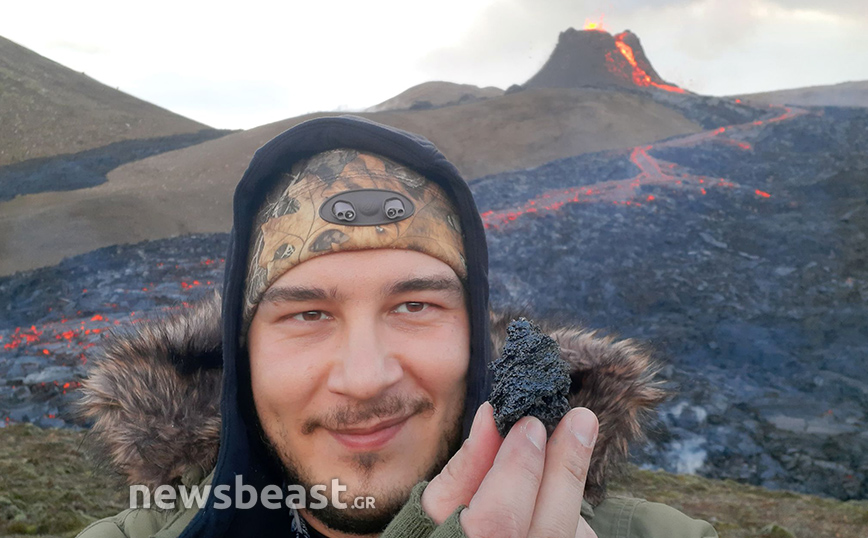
(738, 254)
(742, 258)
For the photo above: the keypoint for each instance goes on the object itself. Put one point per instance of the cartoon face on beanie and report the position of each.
(342, 200)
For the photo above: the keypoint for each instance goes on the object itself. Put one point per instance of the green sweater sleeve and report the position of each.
(619, 517)
(132, 523)
(140, 523)
(413, 522)
(147, 522)
(615, 517)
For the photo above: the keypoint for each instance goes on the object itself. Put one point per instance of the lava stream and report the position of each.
(652, 171)
(741, 128)
(67, 339)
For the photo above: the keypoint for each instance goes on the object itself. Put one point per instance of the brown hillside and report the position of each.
(436, 94)
(190, 190)
(47, 109)
(844, 94)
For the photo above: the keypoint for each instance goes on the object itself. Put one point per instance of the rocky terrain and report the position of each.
(482, 130)
(51, 318)
(88, 168)
(738, 254)
(741, 256)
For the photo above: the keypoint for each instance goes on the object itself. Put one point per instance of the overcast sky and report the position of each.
(252, 62)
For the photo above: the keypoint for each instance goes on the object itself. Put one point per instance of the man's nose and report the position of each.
(365, 366)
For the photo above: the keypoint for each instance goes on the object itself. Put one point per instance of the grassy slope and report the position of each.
(48, 487)
(47, 109)
(742, 511)
(843, 94)
(435, 93)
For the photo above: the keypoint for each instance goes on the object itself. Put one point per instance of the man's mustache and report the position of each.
(350, 415)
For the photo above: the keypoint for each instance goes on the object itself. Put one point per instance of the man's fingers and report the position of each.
(584, 530)
(503, 504)
(568, 455)
(458, 481)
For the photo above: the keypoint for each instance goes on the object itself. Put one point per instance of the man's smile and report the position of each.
(369, 437)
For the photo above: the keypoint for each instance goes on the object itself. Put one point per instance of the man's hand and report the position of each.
(519, 486)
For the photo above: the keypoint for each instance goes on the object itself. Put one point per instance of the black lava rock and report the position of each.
(530, 378)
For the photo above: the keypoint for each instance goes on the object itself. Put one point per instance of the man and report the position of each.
(355, 340)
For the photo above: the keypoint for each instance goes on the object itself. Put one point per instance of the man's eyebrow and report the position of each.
(428, 283)
(289, 294)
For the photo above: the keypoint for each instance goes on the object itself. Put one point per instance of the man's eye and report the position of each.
(411, 307)
(310, 315)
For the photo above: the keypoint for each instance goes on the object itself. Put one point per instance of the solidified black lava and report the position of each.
(530, 378)
(89, 168)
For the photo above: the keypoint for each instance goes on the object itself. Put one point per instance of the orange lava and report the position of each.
(62, 343)
(640, 76)
(20, 337)
(592, 25)
(652, 171)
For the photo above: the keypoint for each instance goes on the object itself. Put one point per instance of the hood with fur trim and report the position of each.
(153, 394)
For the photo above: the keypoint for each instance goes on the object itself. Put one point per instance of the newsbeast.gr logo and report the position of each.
(166, 497)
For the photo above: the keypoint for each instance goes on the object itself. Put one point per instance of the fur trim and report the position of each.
(154, 394)
(613, 378)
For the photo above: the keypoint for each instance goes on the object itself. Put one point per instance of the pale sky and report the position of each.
(243, 64)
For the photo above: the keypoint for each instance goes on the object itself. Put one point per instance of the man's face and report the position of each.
(358, 368)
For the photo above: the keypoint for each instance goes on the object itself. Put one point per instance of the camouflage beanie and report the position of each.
(342, 200)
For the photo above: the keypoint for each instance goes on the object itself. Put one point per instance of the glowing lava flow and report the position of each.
(622, 191)
(65, 342)
(652, 171)
(640, 76)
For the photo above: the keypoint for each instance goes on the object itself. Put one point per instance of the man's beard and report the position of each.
(366, 521)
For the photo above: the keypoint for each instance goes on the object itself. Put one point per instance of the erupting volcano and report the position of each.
(594, 57)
